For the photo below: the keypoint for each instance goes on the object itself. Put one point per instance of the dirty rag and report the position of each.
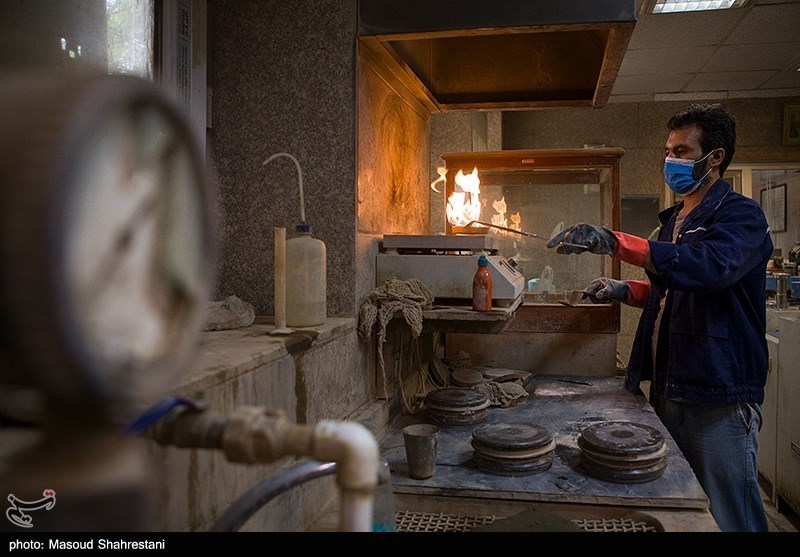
(230, 313)
(406, 298)
(503, 394)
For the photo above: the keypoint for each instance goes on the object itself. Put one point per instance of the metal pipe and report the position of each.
(258, 435)
(521, 233)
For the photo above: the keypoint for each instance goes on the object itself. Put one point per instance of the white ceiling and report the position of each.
(747, 52)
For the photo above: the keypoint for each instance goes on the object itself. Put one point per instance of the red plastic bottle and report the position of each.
(482, 286)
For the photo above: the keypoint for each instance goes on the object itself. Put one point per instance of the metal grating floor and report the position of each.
(410, 521)
(614, 525)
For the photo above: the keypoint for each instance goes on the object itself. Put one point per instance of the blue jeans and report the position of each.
(720, 442)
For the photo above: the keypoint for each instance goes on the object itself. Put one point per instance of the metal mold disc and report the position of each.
(592, 460)
(457, 410)
(466, 377)
(439, 372)
(514, 455)
(619, 437)
(512, 468)
(502, 375)
(512, 463)
(640, 459)
(457, 418)
(617, 475)
(456, 398)
(512, 436)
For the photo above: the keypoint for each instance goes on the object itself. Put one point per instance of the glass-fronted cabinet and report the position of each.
(522, 198)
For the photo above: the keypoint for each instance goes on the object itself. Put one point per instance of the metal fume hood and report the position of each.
(500, 54)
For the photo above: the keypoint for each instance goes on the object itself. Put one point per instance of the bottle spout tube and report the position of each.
(299, 179)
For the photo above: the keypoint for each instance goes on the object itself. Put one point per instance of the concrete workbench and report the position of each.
(675, 501)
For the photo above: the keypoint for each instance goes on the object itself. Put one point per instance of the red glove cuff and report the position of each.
(631, 249)
(637, 293)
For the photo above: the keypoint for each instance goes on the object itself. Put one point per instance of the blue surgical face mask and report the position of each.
(679, 174)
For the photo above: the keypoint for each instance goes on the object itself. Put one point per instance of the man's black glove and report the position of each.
(584, 237)
(604, 290)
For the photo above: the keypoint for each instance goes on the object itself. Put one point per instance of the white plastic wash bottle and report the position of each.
(306, 279)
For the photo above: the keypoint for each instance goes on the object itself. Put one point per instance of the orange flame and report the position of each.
(501, 208)
(442, 171)
(465, 205)
(500, 218)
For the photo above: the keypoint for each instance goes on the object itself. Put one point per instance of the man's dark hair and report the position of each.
(717, 128)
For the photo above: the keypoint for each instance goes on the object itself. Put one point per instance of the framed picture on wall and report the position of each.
(791, 124)
(773, 201)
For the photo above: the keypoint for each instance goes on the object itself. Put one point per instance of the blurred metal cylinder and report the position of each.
(781, 300)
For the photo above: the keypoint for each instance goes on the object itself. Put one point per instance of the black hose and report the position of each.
(264, 491)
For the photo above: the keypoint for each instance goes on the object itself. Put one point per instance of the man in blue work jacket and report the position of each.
(701, 336)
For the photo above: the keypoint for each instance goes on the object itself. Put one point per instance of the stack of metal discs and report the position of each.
(456, 406)
(466, 377)
(514, 449)
(623, 452)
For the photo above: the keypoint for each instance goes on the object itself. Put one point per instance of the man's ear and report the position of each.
(717, 157)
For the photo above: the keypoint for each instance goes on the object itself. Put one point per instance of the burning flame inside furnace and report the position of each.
(464, 204)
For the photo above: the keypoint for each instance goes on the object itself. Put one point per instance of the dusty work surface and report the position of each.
(565, 406)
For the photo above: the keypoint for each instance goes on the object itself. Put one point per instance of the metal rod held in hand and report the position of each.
(521, 233)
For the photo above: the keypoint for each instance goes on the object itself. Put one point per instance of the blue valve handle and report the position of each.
(158, 411)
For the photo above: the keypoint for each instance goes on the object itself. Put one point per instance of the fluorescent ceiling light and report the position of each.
(671, 6)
